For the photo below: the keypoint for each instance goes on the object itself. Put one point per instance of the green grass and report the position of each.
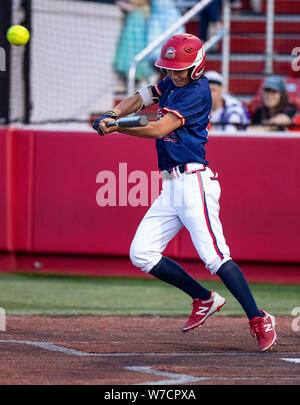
(27, 293)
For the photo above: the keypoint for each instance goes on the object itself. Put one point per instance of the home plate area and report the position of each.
(145, 350)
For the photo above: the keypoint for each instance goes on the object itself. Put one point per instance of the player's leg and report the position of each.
(262, 324)
(172, 273)
(199, 213)
(157, 228)
(233, 277)
(205, 302)
(216, 251)
(202, 221)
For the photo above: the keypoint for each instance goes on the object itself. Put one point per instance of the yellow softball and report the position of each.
(18, 35)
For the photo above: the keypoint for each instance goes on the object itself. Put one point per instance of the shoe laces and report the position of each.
(256, 327)
(195, 305)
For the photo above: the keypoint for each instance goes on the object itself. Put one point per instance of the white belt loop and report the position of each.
(193, 167)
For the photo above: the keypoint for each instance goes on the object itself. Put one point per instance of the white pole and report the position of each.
(226, 45)
(270, 37)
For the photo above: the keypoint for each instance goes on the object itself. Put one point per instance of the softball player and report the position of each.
(190, 192)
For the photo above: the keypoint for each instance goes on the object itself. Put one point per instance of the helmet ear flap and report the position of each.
(198, 69)
(197, 72)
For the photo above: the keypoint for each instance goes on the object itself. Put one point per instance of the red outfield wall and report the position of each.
(48, 194)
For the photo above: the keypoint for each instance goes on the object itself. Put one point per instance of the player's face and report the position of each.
(271, 98)
(179, 77)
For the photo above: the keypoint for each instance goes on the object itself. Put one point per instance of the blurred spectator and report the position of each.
(210, 20)
(276, 112)
(163, 15)
(256, 6)
(133, 39)
(227, 111)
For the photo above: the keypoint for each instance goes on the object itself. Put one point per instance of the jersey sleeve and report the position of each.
(189, 103)
(160, 87)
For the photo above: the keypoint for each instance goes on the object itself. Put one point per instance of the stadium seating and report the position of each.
(247, 46)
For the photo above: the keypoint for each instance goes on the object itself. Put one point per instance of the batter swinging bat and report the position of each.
(129, 122)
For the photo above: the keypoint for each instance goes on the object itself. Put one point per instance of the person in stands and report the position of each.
(228, 113)
(276, 112)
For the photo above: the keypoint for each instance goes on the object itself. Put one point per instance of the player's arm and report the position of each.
(144, 97)
(154, 129)
(128, 105)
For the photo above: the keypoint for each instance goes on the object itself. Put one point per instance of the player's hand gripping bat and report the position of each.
(129, 122)
(126, 122)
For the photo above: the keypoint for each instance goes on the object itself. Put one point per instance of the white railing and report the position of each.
(226, 45)
(269, 37)
(223, 34)
(145, 52)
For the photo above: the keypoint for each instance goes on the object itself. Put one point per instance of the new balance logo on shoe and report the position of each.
(263, 328)
(202, 310)
(268, 327)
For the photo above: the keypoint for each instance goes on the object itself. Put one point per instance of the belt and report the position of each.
(180, 168)
(188, 168)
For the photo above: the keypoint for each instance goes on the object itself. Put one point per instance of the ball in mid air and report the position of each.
(18, 35)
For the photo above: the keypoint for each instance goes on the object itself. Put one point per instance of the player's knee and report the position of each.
(141, 258)
(137, 255)
(133, 255)
(214, 265)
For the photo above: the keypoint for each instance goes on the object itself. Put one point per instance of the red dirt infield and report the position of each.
(145, 350)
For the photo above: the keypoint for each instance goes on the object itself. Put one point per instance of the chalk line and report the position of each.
(175, 378)
(172, 378)
(55, 348)
(291, 360)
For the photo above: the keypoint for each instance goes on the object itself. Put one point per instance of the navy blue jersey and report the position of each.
(192, 104)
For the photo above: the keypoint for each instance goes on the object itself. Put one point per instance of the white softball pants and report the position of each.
(190, 199)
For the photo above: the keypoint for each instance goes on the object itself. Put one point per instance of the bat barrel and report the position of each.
(129, 122)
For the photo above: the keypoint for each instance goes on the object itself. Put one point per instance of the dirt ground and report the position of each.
(145, 350)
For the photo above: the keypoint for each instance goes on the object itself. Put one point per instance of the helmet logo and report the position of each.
(170, 53)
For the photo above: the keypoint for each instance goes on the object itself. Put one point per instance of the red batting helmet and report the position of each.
(183, 51)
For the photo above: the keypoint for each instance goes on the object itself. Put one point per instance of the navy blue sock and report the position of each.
(233, 278)
(172, 273)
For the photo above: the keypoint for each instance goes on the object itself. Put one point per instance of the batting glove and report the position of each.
(107, 114)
